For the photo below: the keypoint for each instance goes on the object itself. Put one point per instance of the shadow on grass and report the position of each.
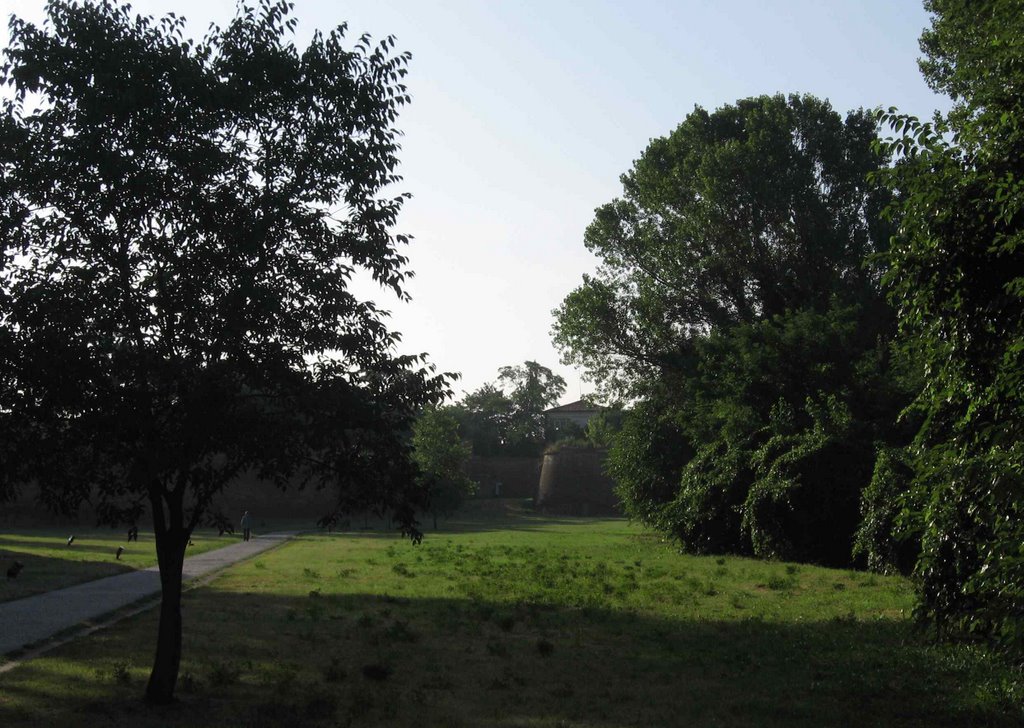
(259, 660)
(45, 573)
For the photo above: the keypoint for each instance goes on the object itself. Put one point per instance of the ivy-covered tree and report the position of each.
(179, 222)
(736, 301)
(957, 282)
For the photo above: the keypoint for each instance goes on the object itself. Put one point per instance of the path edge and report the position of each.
(90, 626)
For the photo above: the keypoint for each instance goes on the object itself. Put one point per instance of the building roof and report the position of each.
(580, 405)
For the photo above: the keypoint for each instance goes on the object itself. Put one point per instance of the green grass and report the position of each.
(525, 622)
(51, 564)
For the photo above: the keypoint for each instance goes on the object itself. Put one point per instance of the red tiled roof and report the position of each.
(579, 405)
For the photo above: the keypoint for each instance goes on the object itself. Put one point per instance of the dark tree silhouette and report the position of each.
(180, 221)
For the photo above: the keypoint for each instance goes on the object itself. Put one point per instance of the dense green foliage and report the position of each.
(604, 427)
(957, 280)
(735, 302)
(179, 224)
(441, 456)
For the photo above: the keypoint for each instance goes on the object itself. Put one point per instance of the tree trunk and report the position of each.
(171, 542)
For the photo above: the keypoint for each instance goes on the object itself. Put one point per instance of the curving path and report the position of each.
(30, 620)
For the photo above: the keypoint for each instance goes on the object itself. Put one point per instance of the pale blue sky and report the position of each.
(525, 113)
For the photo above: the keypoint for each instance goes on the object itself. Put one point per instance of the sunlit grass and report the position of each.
(530, 622)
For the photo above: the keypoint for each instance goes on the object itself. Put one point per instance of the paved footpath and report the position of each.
(29, 620)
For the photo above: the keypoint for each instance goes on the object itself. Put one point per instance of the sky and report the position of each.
(525, 113)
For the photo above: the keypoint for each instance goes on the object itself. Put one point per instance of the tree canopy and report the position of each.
(533, 389)
(180, 221)
(735, 302)
(441, 456)
(737, 216)
(506, 417)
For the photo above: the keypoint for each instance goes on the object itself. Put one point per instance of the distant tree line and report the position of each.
(823, 331)
(506, 417)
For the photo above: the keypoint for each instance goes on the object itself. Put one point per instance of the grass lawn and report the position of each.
(51, 564)
(525, 622)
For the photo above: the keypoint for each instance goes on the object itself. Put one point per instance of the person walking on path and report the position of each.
(246, 526)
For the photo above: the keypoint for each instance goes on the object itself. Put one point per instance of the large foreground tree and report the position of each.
(179, 223)
(734, 302)
(957, 278)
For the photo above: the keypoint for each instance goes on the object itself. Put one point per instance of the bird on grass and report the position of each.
(71, 540)
(120, 550)
(16, 567)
